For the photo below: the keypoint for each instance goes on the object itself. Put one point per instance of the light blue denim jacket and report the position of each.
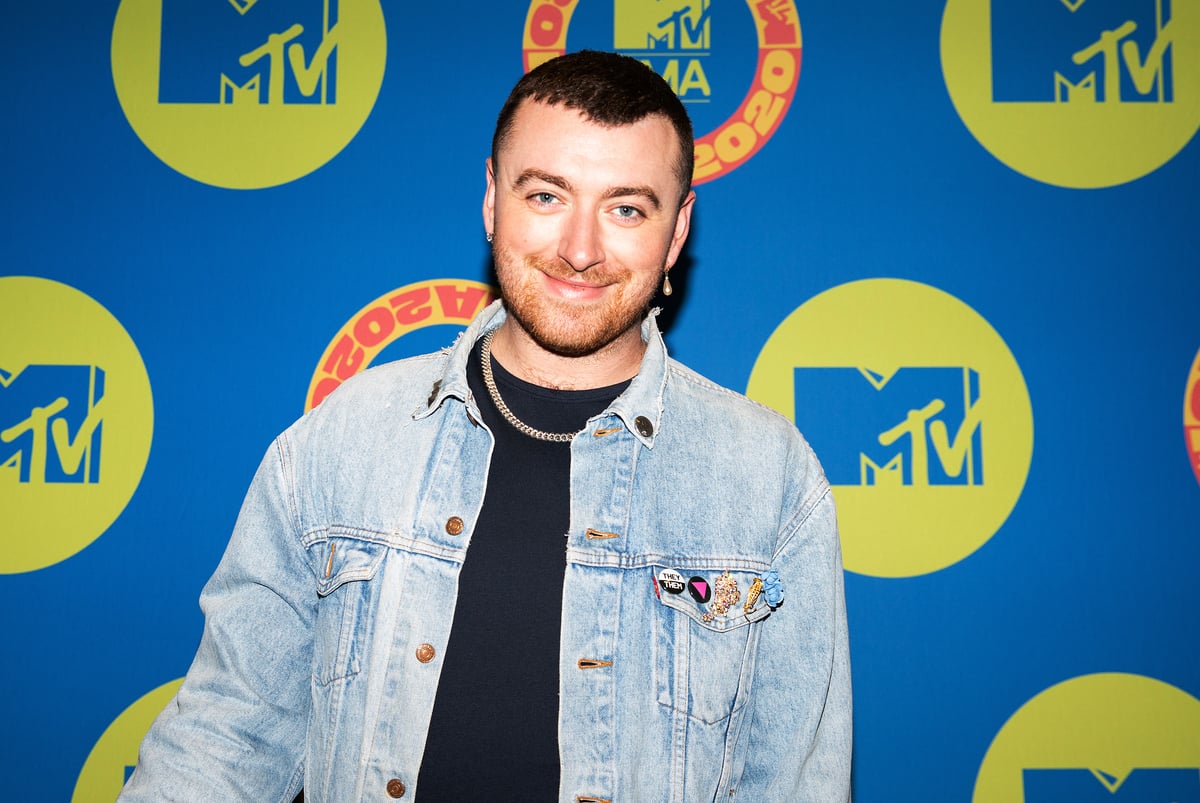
(327, 617)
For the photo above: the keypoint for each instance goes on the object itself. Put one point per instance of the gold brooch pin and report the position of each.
(725, 594)
(753, 594)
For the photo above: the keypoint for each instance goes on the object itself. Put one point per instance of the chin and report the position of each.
(574, 332)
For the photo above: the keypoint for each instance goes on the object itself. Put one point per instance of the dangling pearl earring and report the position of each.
(667, 288)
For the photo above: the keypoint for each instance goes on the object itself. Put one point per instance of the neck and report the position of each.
(521, 356)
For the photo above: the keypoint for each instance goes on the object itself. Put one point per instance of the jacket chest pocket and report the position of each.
(704, 651)
(345, 568)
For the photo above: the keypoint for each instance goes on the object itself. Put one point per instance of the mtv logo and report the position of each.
(917, 426)
(673, 38)
(1093, 786)
(230, 52)
(665, 25)
(1082, 51)
(51, 418)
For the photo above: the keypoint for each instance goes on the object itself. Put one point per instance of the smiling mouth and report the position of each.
(575, 289)
(581, 285)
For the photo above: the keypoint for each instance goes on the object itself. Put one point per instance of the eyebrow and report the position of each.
(531, 175)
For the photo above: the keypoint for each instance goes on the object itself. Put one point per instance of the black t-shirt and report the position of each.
(494, 732)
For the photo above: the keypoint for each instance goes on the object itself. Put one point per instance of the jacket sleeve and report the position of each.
(236, 729)
(799, 742)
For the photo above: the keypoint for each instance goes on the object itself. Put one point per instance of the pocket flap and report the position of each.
(738, 612)
(341, 559)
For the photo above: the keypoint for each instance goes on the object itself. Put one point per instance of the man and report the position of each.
(548, 562)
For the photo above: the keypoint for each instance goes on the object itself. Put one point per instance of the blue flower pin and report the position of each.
(772, 588)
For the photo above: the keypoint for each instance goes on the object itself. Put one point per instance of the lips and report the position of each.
(575, 284)
(574, 289)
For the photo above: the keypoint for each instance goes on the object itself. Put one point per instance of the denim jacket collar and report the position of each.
(643, 399)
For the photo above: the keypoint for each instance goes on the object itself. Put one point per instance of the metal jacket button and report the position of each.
(395, 788)
(644, 426)
(454, 525)
(425, 653)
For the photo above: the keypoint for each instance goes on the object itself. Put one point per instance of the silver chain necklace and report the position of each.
(486, 353)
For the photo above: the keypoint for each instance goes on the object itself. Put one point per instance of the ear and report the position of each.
(489, 199)
(683, 224)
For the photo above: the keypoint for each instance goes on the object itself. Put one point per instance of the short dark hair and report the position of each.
(609, 89)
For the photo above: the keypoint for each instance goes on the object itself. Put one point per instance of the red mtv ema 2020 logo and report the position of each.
(389, 318)
(677, 38)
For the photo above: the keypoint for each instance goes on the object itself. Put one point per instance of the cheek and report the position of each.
(640, 251)
(505, 261)
(521, 223)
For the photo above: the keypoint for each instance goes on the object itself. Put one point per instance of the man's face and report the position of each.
(586, 219)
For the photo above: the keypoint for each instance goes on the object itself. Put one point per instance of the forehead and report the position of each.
(565, 142)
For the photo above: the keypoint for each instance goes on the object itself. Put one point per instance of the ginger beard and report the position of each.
(566, 327)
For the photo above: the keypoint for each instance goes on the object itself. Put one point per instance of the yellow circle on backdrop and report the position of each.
(255, 134)
(1087, 737)
(76, 421)
(1085, 138)
(103, 773)
(879, 328)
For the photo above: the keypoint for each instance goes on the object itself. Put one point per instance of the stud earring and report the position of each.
(667, 288)
(489, 236)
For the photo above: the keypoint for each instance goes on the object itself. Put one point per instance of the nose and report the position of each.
(580, 245)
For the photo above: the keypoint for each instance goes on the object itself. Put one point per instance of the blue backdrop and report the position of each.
(233, 234)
